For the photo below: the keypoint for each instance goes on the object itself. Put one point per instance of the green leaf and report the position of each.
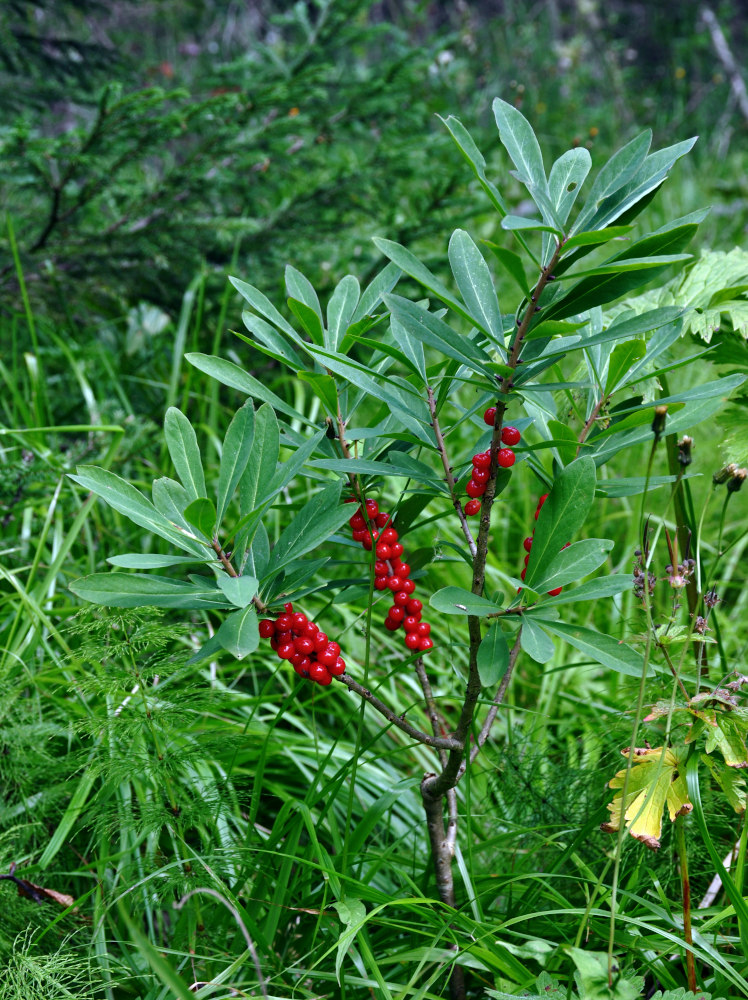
(596, 237)
(572, 563)
(239, 634)
(227, 373)
(134, 590)
(270, 342)
(340, 310)
(512, 264)
(473, 155)
(352, 913)
(603, 649)
(566, 178)
(519, 140)
(434, 332)
(399, 464)
(310, 321)
(476, 285)
(565, 439)
(300, 288)
(411, 265)
(514, 222)
(623, 357)
(562, 515)
(323, 387)
(286, 472)
(262, 462)
(170, 499)
(493, 656)
(593, 590)
(535, 642)
(181, 441)
(201, 514)
(458, 601)
(239, 590)
(123, 497)
(262, 305)
(235, 452)
(151, 560)
(372, 295)
(613, 176)
(311, 526)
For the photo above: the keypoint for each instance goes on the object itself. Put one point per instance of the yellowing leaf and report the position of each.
(655, 782)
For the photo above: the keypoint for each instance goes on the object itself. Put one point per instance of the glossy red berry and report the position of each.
(298, 621)
(527, 544)
(286, 650)
(408, 587)
(555, 592)
(383, 551)
(505, 458)
(425, 644)
(389, 535)
(319, 673)
(372, 508)
(382, 519)
(396, 550)
(510, 435)
(473, 489)
(283, 623)
(412, 640)
(394, 583)
(338, 667)
(410, 623)
(320, 641)
(402, 569)
(360, 535)
(288, 607)
(523, 574)
(480, 476)
(401, 598)
(304, 645)
(396, 613)
(380, 568)
(391, 625)
(423, 629)
(357, 522)
(490, 416)
(266, 628)
(472, 507)
(482, 460)
(302, 665)
(380, 583)
(414, 606)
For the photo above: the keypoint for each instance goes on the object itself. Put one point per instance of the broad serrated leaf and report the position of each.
(562, 515)
(493, 656)
(458, 601)
(181, 441)
(238, 634)
(235, 452)
(134, 590)
(656, 779)
(201, 514)
(476, 286)
(239, 590)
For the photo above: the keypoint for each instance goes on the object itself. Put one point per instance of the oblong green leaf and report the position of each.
(493, 656)
(239, 634)
(311, 526)
(239, 590)
(262, 462)
(572, 563)
(340, 310)
(458, 601)
(135, 590)
(476, 285)
(519, 140)
(201, 514)
(184, 450)
(592, 590)
(235, 452)
(151, 560)
(227, 373)
(535, 642)
(562, 515)
(566, 178)
(603, 649)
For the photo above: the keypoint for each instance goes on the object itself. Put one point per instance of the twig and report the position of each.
(448, 471)
(498, 699)
(439, 742)
(437, 722)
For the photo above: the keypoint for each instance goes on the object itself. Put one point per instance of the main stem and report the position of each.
(435, 788)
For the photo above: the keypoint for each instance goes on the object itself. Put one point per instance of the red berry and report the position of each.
(266, 628)
(505, 457)
(472, 507)
(527, 558)
(310, 629)
(383, 551)
(320, 641)
(286, 650)
(288, 607)
(423, 629)
(380, 568)
(319, 673)
(366, 542)
(302, 666)
(510, 435)
(426, 644)
(382, 519)
(490, 416)
(410, 622)
(414, 607)
(338, 667)
(401, 598)
(328, 656)
(389, 535)
(380, 583)
(304, 645)
(480, 476)
(482, 460)
(555, 592)
(396, 550)
(357, 522)
(402, 569)
(396, 613)
(412, 641)
(360, 534)
(372, 508)
(408, 587)
(283, 623)
(298, 621)
(394, 583)
(274, 644)
(474, 490)
(390, 625)
(542, 501)
(523, 574)
(527, 544)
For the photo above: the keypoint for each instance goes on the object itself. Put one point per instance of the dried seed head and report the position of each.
(736, 481)
(684, 451)
(658, 424)
(724, 474)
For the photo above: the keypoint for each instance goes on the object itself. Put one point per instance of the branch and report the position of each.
(448, 470)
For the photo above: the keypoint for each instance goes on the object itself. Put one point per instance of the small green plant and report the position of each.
(390, 378)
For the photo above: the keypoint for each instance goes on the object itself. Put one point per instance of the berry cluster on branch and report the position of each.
(505, 458)
(310, 652)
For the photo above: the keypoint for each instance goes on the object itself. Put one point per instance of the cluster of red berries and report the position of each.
(476, 486)
(373, 529)
(295, 638)
(527, 545)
